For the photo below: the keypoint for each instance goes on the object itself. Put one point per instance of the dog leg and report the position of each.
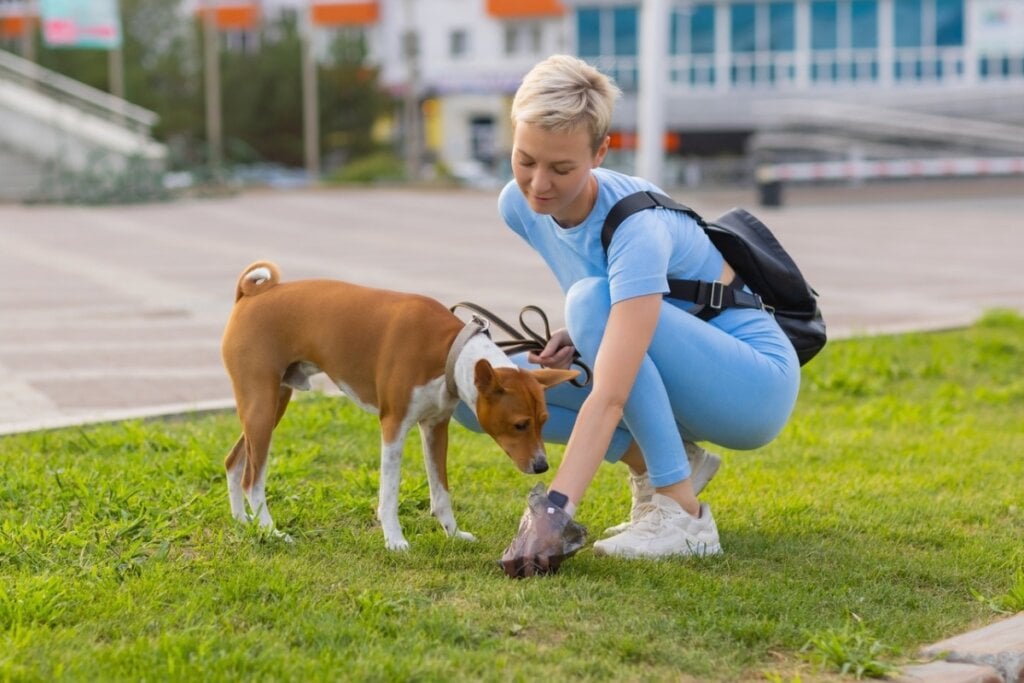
(393, 433)
(434, 437)
(235, 465)
(259, 423)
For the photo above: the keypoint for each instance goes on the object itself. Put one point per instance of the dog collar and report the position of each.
(474, 327)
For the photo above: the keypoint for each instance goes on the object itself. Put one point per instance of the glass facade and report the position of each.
(692, 45)
(782, 20)
(758, 43)
(863, 24)
(607, 36)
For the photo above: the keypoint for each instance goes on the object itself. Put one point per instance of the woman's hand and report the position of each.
(558, 352)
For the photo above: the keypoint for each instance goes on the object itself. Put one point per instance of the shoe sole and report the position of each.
(707, 551)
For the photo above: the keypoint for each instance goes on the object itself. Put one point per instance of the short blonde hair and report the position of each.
(565, 94)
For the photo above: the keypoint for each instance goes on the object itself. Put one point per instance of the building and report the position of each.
(742, 79)
(808, 79)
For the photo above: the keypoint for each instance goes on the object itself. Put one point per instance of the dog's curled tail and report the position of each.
(256, 279)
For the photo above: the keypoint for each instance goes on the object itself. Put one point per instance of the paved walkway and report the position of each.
(116, 312)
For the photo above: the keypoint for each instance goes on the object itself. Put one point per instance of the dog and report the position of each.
(404, 357)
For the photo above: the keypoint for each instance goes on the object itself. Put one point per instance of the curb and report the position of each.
(167, 411)
(992, 654)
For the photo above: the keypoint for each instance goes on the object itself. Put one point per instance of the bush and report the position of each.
(375, 168)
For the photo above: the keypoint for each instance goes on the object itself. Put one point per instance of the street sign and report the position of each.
(81, 23)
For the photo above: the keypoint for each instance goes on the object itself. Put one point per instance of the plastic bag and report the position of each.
(547, 535)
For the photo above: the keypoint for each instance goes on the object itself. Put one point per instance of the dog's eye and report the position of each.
(522, 426)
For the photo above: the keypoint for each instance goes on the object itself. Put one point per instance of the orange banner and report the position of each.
(12, 27)
(236, 17)
(628, 140)
(345, 13)
(521, 9)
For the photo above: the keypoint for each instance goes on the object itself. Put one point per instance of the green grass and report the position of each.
(873, 525)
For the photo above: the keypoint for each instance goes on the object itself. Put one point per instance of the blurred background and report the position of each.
(134, 100)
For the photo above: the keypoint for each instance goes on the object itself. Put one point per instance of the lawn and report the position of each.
(888, 515)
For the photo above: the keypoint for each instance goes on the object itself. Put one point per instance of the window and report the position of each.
(523, 38)
(742, 27)
(588, 32)
(824, 25)
(864, 24)
(625, 31)
(458, 43)
(535, 37)
(782, 27)
(348, 45)
(907, 22)
(702, 30)
(921, 26)
(511, 39)
(949, 22)
(604, 32)
(693, 39)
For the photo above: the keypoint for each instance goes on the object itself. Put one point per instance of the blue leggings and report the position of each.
(732, 382)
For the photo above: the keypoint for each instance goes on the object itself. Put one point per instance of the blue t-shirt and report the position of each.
(649, 247)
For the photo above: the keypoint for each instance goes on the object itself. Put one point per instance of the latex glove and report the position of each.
(547, 535)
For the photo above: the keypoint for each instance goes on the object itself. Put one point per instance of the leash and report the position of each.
(526, 339)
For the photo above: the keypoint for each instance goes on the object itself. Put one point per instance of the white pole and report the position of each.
(654, 26)
(28, 38)
(211, 59)
(310, 97)
(411, 102)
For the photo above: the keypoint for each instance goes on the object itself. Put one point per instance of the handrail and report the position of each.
(77, 94)
(898, 122)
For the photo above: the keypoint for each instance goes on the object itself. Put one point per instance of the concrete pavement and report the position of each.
(117, 312)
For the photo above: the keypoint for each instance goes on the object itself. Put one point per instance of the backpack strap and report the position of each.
(639, 201)
(714, 297)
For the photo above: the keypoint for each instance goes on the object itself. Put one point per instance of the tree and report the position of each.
(350, 101)
(261, 86)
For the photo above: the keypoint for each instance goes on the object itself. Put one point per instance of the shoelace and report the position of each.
(649, 517)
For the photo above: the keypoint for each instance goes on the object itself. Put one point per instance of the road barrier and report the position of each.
(771, 177)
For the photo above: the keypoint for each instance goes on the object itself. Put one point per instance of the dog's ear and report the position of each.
(484, 378)
(549, 377)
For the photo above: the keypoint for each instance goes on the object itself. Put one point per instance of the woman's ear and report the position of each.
(602, 150)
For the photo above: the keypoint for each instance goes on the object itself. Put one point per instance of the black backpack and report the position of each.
(759, 261)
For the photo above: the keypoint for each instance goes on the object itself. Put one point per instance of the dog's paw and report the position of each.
(464, 535)
(396, 544)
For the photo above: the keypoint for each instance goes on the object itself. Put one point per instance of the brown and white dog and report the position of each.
(405, 357)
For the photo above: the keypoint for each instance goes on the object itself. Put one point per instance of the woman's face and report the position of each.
(552, 171)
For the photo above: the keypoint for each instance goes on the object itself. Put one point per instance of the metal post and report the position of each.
(115, 72)
(28, 36)
(650, 157)
(310, 98)
(211, 59)
(115, 75)
(411, 101)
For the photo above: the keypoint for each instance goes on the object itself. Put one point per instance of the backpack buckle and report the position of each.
(717, 295)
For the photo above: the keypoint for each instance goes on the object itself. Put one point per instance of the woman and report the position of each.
(662, 377)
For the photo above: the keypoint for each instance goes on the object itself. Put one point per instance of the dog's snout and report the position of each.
(540, 465)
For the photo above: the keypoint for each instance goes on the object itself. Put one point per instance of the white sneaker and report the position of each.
(664, 529)
(703, 466)
(642, 489)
